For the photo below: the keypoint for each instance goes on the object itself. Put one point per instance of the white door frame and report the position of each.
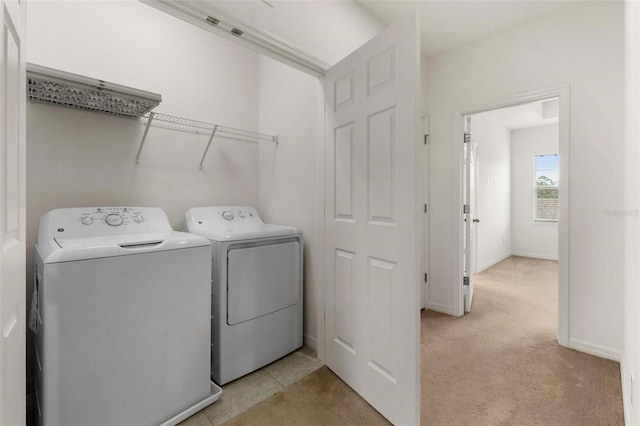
(563, 93)
(470, 234)
(12, 213)
(319, 300)
(426, 191)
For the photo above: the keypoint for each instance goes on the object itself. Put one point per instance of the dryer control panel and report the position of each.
(238, 213)
(93, 221)
(231, 223)
(229, 218)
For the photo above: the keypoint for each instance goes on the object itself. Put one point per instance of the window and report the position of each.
(546, 188)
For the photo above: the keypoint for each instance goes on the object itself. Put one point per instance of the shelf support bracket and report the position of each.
(213, 133)
(144, 136)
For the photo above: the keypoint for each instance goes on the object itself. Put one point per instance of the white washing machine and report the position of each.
(256, 283)
(121, 315)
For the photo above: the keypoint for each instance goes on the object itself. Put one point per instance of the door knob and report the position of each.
(476, 220)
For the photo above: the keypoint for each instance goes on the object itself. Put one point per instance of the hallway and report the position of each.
(501, 364)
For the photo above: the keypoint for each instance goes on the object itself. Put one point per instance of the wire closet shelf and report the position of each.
(172, 122)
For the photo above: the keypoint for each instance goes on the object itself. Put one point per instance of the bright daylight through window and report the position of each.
(546, 188)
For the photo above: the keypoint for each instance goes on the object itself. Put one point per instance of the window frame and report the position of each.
(536, 219)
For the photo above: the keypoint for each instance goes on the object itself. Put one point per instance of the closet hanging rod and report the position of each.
(172, 122)
(199, 127)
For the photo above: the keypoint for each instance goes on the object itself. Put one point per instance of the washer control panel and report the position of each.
(85, 221)
(112, 216)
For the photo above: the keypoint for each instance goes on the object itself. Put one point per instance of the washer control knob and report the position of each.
(113, 220)
(138, 218)
(227, 215)
(241, 214)
(87, 220)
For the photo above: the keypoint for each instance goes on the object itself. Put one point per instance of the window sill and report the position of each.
(545, 222)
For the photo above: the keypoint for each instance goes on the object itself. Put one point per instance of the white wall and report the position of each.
(200, 76)
(494, 189)
(76, 158)
(287, 180)
(584, 48)
(529, 238)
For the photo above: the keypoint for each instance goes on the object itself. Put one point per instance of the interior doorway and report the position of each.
(512, 174)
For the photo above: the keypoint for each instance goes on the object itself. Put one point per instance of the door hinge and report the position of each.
(425, 277)
(465, 280)
(466, 209)
(426, 139)
(426, 208)
(467, 137)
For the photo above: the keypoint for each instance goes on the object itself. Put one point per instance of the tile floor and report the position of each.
(242, 394)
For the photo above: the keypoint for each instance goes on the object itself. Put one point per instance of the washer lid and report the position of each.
(232, 223)
(66, 249)
(127, 240)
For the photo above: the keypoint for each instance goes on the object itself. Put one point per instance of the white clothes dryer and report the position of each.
(256, 283)
(121, 314)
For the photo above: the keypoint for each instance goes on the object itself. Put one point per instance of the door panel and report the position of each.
(12, 214)
(374, 221)
(344, 172)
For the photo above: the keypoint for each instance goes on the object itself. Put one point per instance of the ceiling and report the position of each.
(533, 114)
(447, 25)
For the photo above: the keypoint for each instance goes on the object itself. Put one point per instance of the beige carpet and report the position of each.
(501, 364)
(498, 365)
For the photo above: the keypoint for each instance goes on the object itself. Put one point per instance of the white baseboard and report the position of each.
(595, 350)
(493, 262)
(534, 255)
(310, 341)
(625, 392)
(440, 308)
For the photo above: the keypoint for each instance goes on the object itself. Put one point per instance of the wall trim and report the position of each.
(319, 275)
(310, 341)
(596, 350)
(534, 255)
(495, 261)
(197, 11)
(625, 391)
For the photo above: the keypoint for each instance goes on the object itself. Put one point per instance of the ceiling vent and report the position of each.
(55, 87)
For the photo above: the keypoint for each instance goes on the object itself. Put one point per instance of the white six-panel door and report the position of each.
(12, 213)
(374, 221)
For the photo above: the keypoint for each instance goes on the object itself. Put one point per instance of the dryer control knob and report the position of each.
(113, 220)
(138, 218)
(227, 215)
(87, 220)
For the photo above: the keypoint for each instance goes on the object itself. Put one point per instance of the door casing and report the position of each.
(563, 93)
